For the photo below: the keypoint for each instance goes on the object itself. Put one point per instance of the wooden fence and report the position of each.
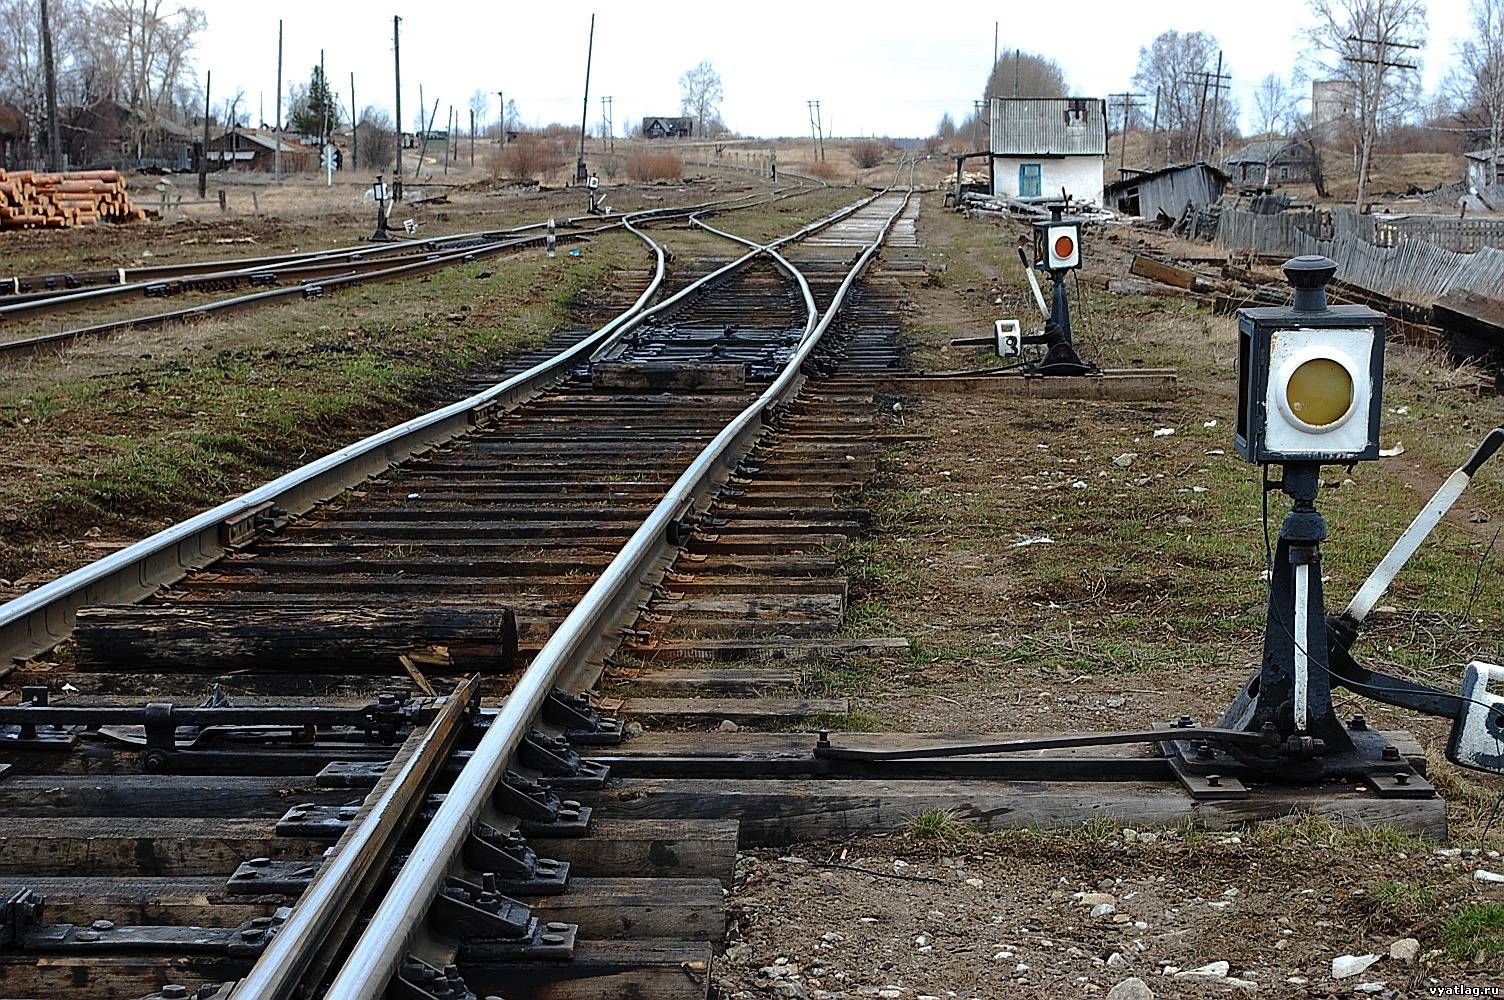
(1370, 253)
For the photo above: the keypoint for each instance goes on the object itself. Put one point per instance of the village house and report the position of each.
(1267, 162)
(1042, 146)
(667, 128)
(248, 149)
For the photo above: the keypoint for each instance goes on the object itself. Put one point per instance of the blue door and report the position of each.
(1028, 180)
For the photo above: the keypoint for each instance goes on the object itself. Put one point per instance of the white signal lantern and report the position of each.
(1062, 245)
(1310, 377)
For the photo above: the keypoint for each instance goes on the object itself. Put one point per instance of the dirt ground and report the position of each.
(1089, 566)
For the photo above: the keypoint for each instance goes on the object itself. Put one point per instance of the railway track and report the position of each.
(331, 738)
(221, 286)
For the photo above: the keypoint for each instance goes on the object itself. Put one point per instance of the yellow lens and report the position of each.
(1320, 392)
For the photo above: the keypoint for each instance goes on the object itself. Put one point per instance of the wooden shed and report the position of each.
(1165, 192)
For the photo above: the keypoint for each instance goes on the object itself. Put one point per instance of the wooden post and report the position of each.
(54, 153)
(397, 65)
(203, 160)
(1154, 129)
(448, 139)
(277, 154)
(354, 128)
(472, 138)
(579, 167)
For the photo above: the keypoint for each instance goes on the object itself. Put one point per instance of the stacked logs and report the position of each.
(30, 199)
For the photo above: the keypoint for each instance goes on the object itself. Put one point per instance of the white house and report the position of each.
(1043, 144)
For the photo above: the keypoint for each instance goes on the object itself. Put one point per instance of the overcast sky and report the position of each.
(877, 67)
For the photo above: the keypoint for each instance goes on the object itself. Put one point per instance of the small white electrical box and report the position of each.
(1010, 338)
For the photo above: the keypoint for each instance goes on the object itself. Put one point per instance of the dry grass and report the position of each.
(821, 169)
(529, 158)
(867, 153)
(650, 166)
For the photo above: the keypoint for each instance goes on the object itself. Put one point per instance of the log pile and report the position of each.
(32, 199)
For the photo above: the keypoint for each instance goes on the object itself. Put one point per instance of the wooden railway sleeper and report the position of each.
(23, 930)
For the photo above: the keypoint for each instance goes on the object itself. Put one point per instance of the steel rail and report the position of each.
(117, 276)
(144, 278)
(432, 262)
(364, 846)
(40, 618)
(370, 966)
(42, 342)
(278, 986)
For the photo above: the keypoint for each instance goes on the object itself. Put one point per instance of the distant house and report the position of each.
(1485, 169)
(14, 133)
(667, 128)
(1166, 192)
(248, 149)
(1042, 146)
(1273, 161)
(110, 133)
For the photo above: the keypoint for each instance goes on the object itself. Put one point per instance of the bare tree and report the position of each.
(1369, 43)
(1170, 65)
(1273, 105)
(700, 95)
(480, 104)
(378, 138)
(1480, 72)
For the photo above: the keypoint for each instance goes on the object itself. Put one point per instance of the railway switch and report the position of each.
(1056, 252)
(1309, 394)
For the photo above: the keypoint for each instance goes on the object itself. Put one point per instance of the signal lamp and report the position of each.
(1309, 375)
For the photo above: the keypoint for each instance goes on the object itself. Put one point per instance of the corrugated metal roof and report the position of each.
(1049, 126)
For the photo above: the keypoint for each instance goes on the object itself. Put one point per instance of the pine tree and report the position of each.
(318, 112)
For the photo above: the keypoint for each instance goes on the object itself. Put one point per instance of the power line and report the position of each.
(1127, 101)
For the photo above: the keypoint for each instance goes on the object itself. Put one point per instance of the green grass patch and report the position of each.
(1473, 929)
(940, 826)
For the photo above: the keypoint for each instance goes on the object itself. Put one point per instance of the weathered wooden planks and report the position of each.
(323, 636)
(103, 845)
(777, 812)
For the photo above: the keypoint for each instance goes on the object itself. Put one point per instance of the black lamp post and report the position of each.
(378, 191)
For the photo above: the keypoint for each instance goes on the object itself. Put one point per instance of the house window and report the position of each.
(1029, 179)
(1284, 173)
(1075, 113)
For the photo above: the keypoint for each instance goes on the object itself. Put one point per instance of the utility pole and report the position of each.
(817, 127)
(501, 100)
(994, 46)
(448, 139)
(397, 65)
(427, 130)
(1207, 80)
(203, 160)
(1216, 144)
(354, 128)
(608, 129)
(54, 153)
(277, 154)
(1127, 102)
(472, 138)
(1017, 54)
(1154, 129)
(580, 172)
(1380, 61)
